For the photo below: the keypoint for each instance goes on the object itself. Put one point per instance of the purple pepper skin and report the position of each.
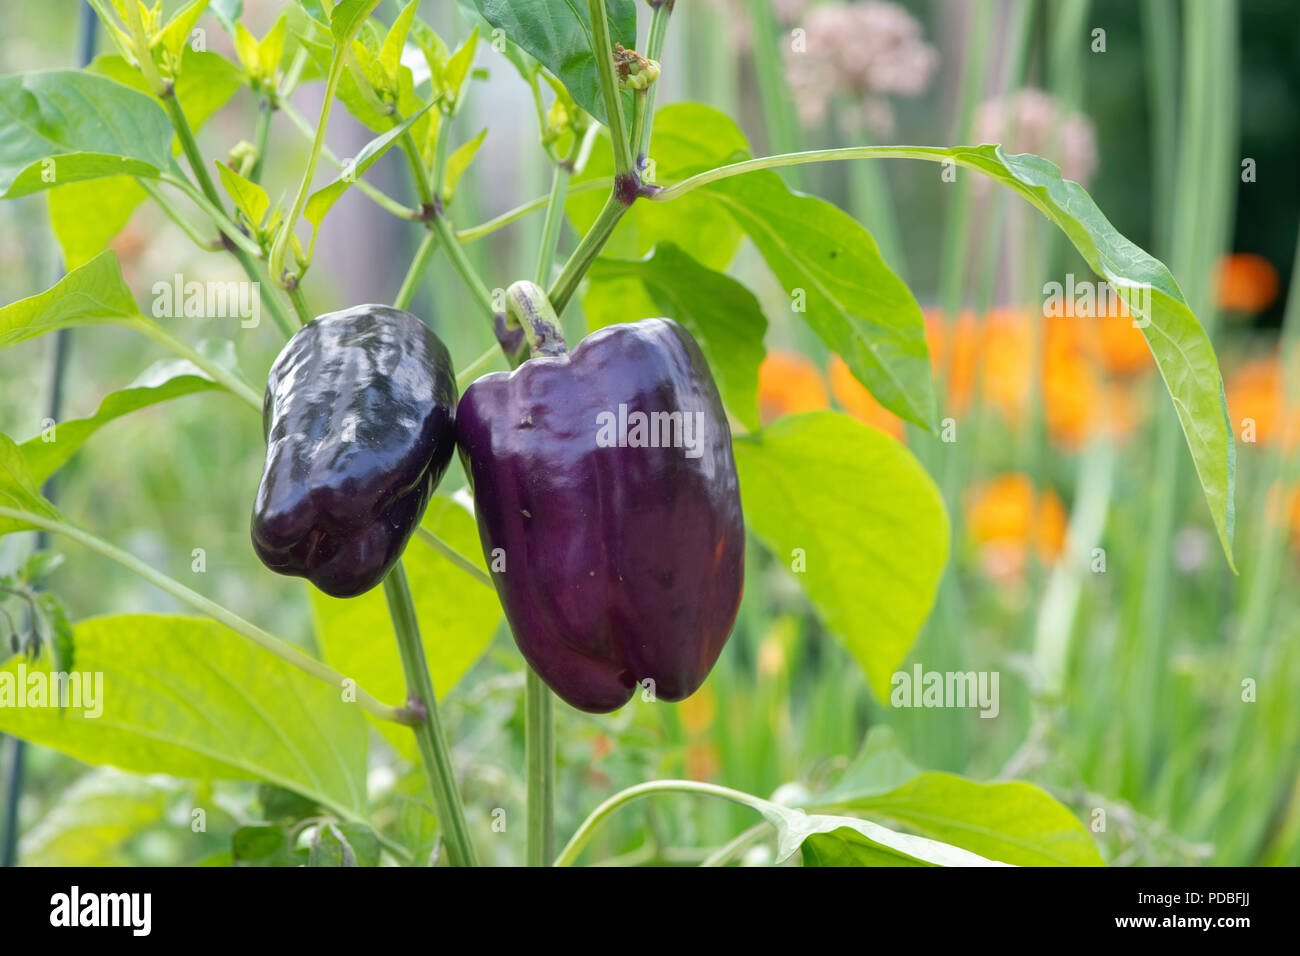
(621, 563)
(359, 418)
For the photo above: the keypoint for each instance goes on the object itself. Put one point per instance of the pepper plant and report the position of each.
(661, 198)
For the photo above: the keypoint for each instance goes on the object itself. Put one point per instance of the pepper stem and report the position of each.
(528, 308)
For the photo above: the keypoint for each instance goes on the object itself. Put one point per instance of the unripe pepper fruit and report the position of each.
(359, 418)
(617, 561)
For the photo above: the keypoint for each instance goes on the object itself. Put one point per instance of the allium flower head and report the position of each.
(862, 52)
(1031, 121)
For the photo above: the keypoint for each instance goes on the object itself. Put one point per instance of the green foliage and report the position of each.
(858, 520)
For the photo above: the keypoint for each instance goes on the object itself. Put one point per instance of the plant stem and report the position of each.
(414, 274)
(269, 642)
(460, 262)
(169, 209)
(472, 370)
(588, 249)
(221, 376)
(261, 134)
(554, 219)
(519, 212)
(584, 832)
(539, 756)
(654, 51)
(452, 555)
(299, 303)
(242, 243)
(602, 48)
(429, 736)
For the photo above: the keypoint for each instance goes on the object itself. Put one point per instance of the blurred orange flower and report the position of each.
(1246, 282)
(698, 711)
(854, 398)
(1006, 516)
(1256, 392)
(789, 383)
(1119, 345)
(1077, 402)
(954, 355)
(1007, 361)
(1282, 507)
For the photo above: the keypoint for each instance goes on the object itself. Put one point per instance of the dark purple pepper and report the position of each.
(359, 419)
(623, 558)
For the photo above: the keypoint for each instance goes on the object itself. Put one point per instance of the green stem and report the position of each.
(539, 756)
(584, 832)
(460, 262)
(241, 242)
(441, 148)
(281, 649)
(519, 212)
(646, 99)
(554, 219)
(419, 265)
(281, 247)
(169, 209)
(429, 736)
(261, 134)
(602, 48)
(299, 303)
(586, 253)
(452, 555)
(472, 370)
(377, 196)
(221, 376)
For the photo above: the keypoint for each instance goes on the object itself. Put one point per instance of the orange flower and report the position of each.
(698, 711)
(1246, 282)
(1007, 361)
(1282, 507)
(1118, 344)
(954, 353)
(854, 398)
(789, 383)
(1006, 516)
(1256, 393)
(1077, 404)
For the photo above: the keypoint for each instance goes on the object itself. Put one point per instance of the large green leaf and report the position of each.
(558, 34)
(86, 216)
(851, 298)
(457, 616)
(855, 510)
(845, 841)
(93, 294)
(1181, 348)
(1014, 823)
(168, 379)
(18, 490)
(687, 137)
(724, 317)
(188, 697)
(64, 126)
(207, 82)
(92, 819)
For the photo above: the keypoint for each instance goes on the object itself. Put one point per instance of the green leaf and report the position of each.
(18, 490)
(270, 51)
(86, 216)
(850, 297)
(457, 616)
(322, 200)
(454, 74)
(724, 317)
(206, 83)
(331, 848)
(246, 48)
(1015, 823)
(263, 845)
(855, 510)
(165, 380)
(1182, 350)
(687, 137)
(526, 66)
(95, 817)
(64, 126)
(89, 295)
(188, 697)
(558, 33)
(458, 162)
(176, 34)
(347, 17)
(846, 841)
(390, 57)
(284, 806)
(250, 198)
(227, 12)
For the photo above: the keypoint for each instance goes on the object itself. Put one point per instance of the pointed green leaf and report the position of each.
(347, 17)
(93, 294)
(86, 216)
(860, 522)
(188, 697)
(390, 57)
(458, 162)
(176, 34)
(250, 198)
(19, 491)
(64, 126)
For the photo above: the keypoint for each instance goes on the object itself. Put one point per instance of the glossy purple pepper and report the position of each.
(359, 418)
(609, 511)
